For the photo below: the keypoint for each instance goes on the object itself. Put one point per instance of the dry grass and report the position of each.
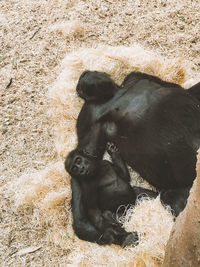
(35, 36)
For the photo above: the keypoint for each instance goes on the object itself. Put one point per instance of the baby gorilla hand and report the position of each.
(118, 237)
(108, 237)
(111, 148)
(112, 230)
(114, 233)
(131, 240)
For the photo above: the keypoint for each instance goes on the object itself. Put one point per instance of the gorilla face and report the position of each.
(79, 165)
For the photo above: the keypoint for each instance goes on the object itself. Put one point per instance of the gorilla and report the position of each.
(155, 126)
(105, 186)
(195, 91)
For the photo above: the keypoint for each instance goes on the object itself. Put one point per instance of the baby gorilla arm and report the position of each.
(118, 163)
(96, 217)
(90, 199)
(82, 227)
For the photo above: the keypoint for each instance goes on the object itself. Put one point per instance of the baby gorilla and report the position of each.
(105, 187)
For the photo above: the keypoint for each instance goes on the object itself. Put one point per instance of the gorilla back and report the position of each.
(157, 130)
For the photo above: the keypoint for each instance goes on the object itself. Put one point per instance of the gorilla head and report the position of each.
(95, 86)
(80, 165)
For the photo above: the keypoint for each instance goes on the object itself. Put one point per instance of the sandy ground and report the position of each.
(30, 53)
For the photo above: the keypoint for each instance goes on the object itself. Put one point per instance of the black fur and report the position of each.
(99, 192)
(155, 125)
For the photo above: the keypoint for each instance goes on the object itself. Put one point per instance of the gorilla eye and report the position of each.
(78, 160)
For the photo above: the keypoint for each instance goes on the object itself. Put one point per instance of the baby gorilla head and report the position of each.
(94, 85)
(80, 165)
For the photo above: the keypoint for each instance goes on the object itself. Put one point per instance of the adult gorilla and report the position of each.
(154, 124)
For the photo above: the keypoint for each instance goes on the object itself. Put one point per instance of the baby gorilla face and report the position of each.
(79, 165)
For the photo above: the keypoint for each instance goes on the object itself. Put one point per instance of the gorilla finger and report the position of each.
(111, 148)
(131, 240)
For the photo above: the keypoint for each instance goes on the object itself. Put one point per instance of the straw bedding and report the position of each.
(39, 110)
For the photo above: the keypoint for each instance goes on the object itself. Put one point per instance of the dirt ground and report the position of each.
(31, 50)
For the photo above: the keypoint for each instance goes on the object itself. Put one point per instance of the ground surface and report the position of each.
(31, 50)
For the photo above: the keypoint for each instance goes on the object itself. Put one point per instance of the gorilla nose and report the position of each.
(82, 170)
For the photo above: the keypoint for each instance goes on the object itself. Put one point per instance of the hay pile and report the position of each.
(44, 196)
(35, 218)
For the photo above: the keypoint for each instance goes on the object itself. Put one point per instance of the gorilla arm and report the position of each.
(90, 200)
(94, 141)
(81, 225)
(118, 163)
(85, 228)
